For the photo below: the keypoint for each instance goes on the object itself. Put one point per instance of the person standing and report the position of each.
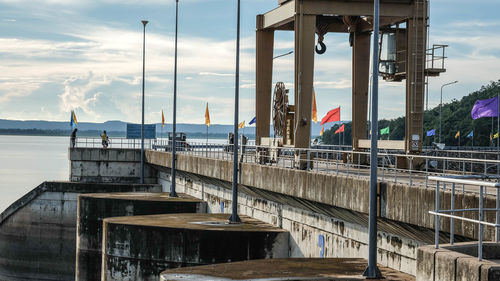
(105, 139)
(73, 137)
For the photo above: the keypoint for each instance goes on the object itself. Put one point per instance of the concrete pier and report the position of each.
(93, 208)
(140, 247)
(37, 232)
(282, 269)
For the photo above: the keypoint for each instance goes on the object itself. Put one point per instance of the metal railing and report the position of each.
(122, 143)
(450, 213)
(414, 170)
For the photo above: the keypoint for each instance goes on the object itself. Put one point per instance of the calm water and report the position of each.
(27, 161)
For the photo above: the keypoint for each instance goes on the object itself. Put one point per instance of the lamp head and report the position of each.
(145, 22)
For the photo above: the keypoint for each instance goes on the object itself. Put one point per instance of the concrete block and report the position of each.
(95, 155)
(445, 264)
(468, 269)
(75, 154)
(121, 155)
(145, 245)
(425, 263)
(490, 272)
(103, 155)
(112, 155)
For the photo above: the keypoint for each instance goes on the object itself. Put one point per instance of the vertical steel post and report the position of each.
(173, 193)
(497, 220)
(481, 226)
(372, 271)
(452, 221)
(144, 22)
(436, 217)
(234, 216)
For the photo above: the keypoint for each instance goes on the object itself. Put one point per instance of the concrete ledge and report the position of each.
(458, 262)
(282, 269)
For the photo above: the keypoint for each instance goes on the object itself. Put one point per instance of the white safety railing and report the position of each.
(478, 182)
(122, 143)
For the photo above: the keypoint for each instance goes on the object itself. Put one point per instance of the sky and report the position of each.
(86, 55)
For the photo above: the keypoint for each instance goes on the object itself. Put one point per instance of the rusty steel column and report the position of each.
(263, 80)
(415, 76)
(305, 30)
(360, 82)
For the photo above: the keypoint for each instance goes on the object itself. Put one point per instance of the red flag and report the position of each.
(332, 116)
(340, 130)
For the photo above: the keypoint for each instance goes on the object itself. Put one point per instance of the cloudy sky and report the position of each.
(86, 55)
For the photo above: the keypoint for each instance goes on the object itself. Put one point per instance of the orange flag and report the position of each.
(322, 130)
(162, 119)
(315, 110)
(207, 117)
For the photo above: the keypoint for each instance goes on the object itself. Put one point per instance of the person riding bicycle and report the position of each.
(105, 139)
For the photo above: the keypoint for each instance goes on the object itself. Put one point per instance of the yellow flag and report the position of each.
(322, 130)
(495, 136)
(207, 117)
(162, 119)
(315, 110)
(457, 135)
(74, 118)
(241, 125)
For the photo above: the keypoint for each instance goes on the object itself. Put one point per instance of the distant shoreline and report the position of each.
(96, 134)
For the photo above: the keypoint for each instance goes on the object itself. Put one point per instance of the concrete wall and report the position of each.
(38, 232)
(458, 262)
(109, 165)
(398, 202)
(141, 247)
(343, 232)
(94, 208)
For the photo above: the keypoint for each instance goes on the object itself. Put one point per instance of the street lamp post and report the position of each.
(144, 22)
(372, 270)
(234, 216)
(174, 122)
(441, 107)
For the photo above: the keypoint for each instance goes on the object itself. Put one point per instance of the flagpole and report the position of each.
(498, 138)
(173, 193)
(207, 140)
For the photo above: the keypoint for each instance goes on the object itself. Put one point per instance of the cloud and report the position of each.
(80, 93)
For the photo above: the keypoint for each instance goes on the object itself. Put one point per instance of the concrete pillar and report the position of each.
(263, 81)
(93, 208)
(415, 77)
(360, 81)
(141, 247)
(305, 30)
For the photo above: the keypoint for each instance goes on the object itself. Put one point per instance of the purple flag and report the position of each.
(485, 108)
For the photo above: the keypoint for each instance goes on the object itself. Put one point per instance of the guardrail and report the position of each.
(450, 213)
(414, 170)
(398, 168)
(112, 143)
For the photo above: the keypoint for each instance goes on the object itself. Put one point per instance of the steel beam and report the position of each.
(278, 17)
(360, 81)
(264, 76)
(305, 31)
(357, 8)
(415, 78)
